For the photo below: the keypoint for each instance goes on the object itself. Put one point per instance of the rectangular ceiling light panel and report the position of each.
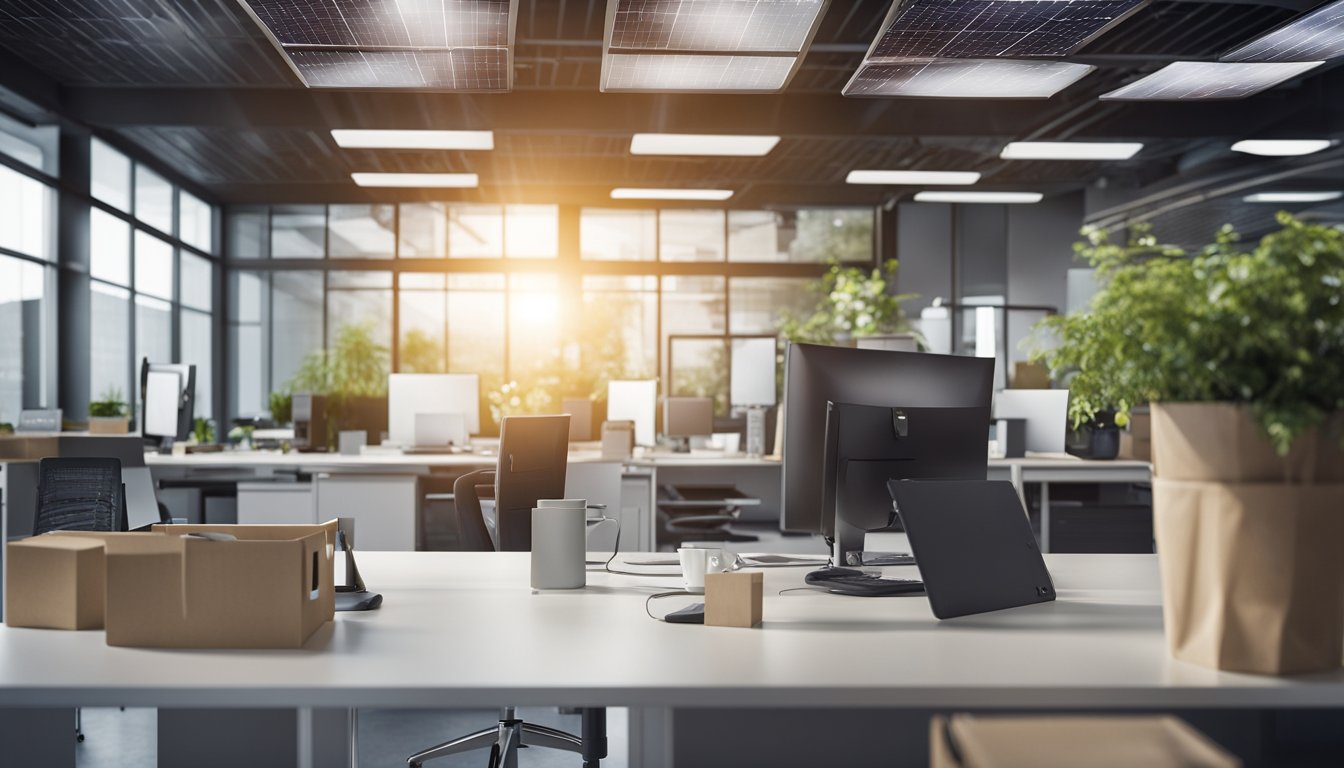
(912, 177)
(416, 180)
(964, 78)
(731, 26)
(1007, 198)
(706, 46)
(456, 45)
(1293, 197)
(716, 145)
(1208, 81)
(355, 138)
(640, 193)
(1070, 150)
(1281, 147)
(1318, 36)
(993, 28)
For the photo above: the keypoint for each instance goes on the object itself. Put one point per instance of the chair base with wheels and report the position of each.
(512, 734)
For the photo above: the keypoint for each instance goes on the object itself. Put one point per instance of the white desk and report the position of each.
(464, 630)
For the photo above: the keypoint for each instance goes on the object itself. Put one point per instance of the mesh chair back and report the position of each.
(79, 495)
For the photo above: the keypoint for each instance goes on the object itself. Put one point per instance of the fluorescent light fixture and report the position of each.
(695, 73)
(1070, 150)
(352, 138)
(1315, 36)
(978, 197)
(701, 144)
(635, 193)
(1208, 80)
(1281, 147)
(912, 177)
(415, 180)
(964, 78)
(1292, 197)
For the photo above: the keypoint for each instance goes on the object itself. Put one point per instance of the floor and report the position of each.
(117, 738)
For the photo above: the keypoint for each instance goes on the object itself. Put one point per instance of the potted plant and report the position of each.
(352, 375)
(109, 414)
(282, 407)
(1240, 351)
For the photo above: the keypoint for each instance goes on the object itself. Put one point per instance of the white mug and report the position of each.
(696, 562)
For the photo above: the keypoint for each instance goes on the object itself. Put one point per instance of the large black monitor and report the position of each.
(816, 376)
(167, 401)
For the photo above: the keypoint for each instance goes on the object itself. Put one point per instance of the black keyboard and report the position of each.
(848, 581)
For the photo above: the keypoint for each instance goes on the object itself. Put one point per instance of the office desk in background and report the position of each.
(1099, 646)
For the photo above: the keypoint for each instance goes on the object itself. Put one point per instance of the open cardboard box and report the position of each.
(271, 588)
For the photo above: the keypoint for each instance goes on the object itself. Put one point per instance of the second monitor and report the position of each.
(412, 394)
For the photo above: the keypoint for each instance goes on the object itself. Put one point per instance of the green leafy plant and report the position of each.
(282, 407)
(1263, 327)
(850, 302)
(203, 430)
(6, 428)
(110, 405)
(355, 366)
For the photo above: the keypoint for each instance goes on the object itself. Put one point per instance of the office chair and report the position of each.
(533, 455)
(78, 494)
(701, 513)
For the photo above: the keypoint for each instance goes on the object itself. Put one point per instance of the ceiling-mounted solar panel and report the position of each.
(992, 28)
(965, 78)
(457, 45)
(1317, 36)
(1209, 81)
(738, 46)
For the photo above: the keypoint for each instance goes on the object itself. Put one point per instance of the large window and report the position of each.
(25, 343)
(498, 291)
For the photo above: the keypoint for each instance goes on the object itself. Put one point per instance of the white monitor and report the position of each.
(1046, 412)
(412, 393)
(635, 401)
(163, 393)
(753, 371)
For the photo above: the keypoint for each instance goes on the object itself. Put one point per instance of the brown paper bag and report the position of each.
(1222, 442)
(1252, 574)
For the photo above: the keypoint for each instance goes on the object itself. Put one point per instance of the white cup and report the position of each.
(559, 535)
(696, 562)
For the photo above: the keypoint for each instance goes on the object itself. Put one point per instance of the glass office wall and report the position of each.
(152, 270)
(494, 289)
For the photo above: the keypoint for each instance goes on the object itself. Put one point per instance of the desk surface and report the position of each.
(464, 629)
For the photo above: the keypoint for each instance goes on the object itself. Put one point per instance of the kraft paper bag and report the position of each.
(1252, 574)
(1222, 442)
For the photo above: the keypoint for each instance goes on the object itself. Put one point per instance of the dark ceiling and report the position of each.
(196, 84)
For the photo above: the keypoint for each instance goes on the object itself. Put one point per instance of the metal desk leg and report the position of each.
(1045, 516)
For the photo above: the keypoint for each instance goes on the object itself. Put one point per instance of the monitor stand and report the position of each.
(847, 549)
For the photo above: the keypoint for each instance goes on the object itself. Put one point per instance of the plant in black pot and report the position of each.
(1097, 437)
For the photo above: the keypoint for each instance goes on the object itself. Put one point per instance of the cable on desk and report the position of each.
(658, 595)
(616, 550)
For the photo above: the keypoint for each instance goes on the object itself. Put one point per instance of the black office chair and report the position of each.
(533, 455)
(78, 494)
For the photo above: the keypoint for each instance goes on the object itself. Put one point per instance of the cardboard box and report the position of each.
(1135, 448)
(271, 588)
(964, 741)
(733, 599)
(54, 582)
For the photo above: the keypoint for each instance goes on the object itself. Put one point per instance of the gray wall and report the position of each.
(1040, 253)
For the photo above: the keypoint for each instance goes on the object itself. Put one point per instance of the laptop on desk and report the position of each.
(439, 433)
(974, 545)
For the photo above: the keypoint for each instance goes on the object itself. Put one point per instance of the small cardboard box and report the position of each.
(965, 741)
(270, 588)
(733, 599)
(54, 582)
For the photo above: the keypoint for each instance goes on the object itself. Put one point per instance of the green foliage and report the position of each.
(282, 407)
(203, 430)
(6, 428)
(421, 353)
(1262, 327)
(356, 366)
(110, 405)
(850, 302)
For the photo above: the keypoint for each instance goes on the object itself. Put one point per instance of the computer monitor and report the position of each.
(167, 401)
(411, 393)
(635, 401)
(1045, 411)
(867, 445)
(753, 370)
(687, 417)
(817, 375)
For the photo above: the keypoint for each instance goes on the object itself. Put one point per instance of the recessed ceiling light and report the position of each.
(1292, 197)
(459, 180)
(912, 177)
(978, 197)
(1208, 80)
(635, 193)
(695, 73)
(353, 138)
(701, 144)
(1070, 150)
(1281, 147)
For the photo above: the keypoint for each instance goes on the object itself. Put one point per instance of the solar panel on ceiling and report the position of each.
(673, 72)
(987, 28)
(964, 78)
(714, 25)
(386, 23)
(1318, 36)
(1207, 80)
(482, 69)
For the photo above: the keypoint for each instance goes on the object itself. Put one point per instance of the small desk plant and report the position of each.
(109, 414)
(1240, 351)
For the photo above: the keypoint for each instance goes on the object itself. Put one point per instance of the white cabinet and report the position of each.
(385, 508)
(275, 503)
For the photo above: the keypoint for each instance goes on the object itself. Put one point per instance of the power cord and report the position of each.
(616, 550)
(658, 595)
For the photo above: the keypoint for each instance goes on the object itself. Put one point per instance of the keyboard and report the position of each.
(849, 581)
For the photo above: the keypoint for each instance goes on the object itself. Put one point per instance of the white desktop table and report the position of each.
(465, 630)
